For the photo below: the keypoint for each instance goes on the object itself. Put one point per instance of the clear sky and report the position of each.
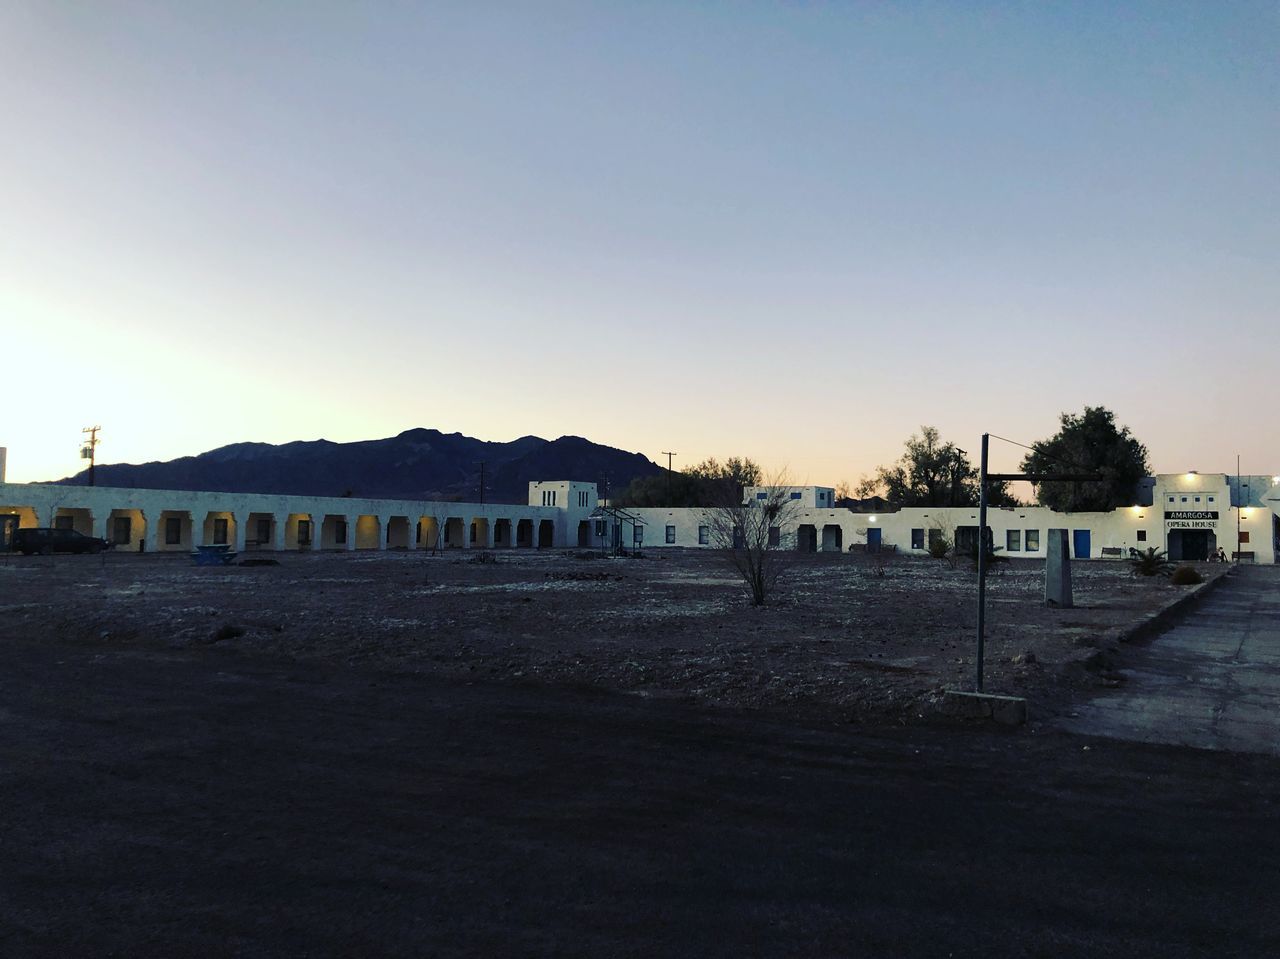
(791, 231)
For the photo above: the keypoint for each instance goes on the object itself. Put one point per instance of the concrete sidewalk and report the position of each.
(1212, 681)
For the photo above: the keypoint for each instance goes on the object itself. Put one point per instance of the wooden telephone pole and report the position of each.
(87, 450)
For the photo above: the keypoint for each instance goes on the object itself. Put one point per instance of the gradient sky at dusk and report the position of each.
(790, 231)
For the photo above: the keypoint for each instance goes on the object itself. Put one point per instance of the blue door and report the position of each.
(873, 539)
(1080, 543)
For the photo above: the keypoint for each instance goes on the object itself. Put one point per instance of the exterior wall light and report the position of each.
(871, 519)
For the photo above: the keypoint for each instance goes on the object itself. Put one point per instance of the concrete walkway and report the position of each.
(1212, 681)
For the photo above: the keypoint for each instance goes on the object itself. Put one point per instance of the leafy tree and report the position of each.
(707, 484)
(1090, 443)
(932, 473)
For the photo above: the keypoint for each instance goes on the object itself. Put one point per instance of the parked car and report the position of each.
(45, 540)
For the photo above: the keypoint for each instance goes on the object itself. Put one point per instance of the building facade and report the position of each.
(1189, 515)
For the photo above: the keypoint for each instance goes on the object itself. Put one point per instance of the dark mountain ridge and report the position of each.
(416, 464)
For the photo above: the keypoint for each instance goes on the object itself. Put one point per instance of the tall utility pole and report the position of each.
(1240, 501)
(91, 444)
(482, 464)
(669, 457)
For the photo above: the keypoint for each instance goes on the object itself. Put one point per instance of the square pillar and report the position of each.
(384, 530)
(242, 530)
(352, 522)
(279, 527)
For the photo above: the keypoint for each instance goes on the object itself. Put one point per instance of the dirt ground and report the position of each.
(372, 755)
(845, 637)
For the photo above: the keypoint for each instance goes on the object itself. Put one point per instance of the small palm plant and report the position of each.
(1149, 562)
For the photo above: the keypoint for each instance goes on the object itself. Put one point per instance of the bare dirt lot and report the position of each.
(846, 637)
(369, 755)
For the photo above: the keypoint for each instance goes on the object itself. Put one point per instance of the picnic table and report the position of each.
(213, 555)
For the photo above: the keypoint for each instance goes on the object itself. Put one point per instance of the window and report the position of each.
(795, 495)
(1197, 499)
(1013, 541)
(704, 535)
(220, 531)
(340, 531)
(762, 496)
(64, 522)
(602, 528)
(1142, 536)
(553, 497)
(1244, 536)
(1210, 499)
(917, 539)
(473, 532)
(1171, 499)
(1032, 540)
(775, 535)
(172, 531)
(122, 530)
(1184, 499)
(304, 532)
(264, 531)
(671, 534)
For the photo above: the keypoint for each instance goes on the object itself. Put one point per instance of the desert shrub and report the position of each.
(483, 558)
(1186, 576)
(1151, 562)
(939, 547)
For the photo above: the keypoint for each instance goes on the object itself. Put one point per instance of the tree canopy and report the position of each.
(1092, 443)
(705, 484)
(931, 473)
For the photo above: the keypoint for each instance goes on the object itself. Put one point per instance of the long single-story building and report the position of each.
(1188, 514)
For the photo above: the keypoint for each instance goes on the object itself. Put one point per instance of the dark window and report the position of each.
(671, 534)
(917, 539)
(1032, 540)
(264, 531)
(473, 532)
(220, 532)
(775, 535)
(1244, 536)
(1142, 536)
(122, 531)
(762, 495)
(704, 535)
(795, 495)
(304, 532)
(602, 528)
(1013, 541)
(340, 531)
(172, 531)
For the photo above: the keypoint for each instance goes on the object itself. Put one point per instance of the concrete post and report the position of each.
(384, 532)
(1057, 570)
(242, 530)
(100, 523)
(411, 532)
(352, 522)
(279, 529)
(152, 531)
(487, 542)
(196, 523)
(317, 531)
(466, 533)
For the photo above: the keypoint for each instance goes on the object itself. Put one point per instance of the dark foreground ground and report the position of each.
(202, 802)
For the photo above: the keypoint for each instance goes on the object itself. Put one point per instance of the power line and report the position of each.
(1048, 456)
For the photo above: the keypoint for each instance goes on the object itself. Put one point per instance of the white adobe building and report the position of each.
(1187, 514)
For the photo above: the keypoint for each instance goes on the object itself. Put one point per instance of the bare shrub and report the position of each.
(750, 534)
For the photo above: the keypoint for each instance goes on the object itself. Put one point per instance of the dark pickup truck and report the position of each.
(46, 540)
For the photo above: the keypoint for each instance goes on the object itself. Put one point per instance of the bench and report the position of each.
(1245, 556)
(213, 555)
(1112, 551)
